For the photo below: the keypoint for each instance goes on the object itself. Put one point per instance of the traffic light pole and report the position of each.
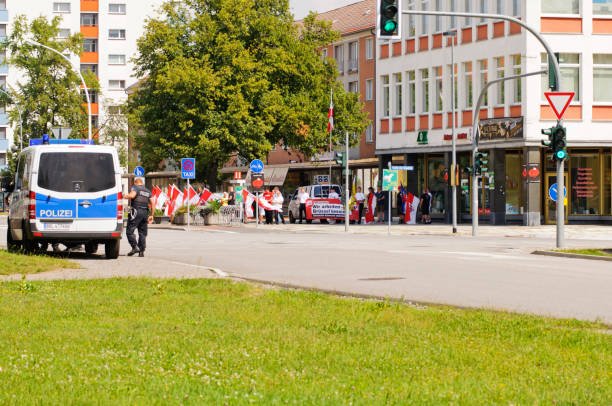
(560, 200)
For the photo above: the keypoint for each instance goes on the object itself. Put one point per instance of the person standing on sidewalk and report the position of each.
(359, 199)
(303, 197)
(425, 206)
(141, 198)
(277, 202)
(381, 205)
(268, 197)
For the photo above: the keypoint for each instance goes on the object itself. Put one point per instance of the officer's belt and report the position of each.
(141, 207)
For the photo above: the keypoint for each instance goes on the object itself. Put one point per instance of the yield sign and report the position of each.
(559, 102)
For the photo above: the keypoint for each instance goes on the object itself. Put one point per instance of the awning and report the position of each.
(272, 176)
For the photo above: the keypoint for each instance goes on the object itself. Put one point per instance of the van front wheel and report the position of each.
(111, 249)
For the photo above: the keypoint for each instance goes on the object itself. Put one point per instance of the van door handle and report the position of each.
(85, 204)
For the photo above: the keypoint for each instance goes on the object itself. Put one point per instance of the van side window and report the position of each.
(20, 171)
(27, 168)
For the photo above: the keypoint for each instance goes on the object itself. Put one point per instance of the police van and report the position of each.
(68, 193)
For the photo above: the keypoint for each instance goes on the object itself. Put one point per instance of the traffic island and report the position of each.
(598, 254)
(18, 263)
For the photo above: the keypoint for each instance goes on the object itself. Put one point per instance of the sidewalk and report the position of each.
(580, 232)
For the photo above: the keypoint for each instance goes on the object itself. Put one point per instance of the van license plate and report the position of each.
(57, 226)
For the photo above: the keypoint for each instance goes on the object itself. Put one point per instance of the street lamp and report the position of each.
(453, 35)
(32, 42)
(20, 120)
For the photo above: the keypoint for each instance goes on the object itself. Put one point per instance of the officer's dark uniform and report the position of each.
(139, 218)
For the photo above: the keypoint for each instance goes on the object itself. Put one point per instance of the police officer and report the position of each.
(139, 216)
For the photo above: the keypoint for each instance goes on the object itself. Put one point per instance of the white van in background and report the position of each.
(69, 194)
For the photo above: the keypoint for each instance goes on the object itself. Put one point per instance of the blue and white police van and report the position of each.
(68, 192)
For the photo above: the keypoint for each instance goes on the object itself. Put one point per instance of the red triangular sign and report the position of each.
(559, 102)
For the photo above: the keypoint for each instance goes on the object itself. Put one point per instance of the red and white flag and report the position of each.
(176, 200)
(190, 195)
(204, 197)
(411, 205)
(155, 192)
(369, 217)
(330, 114)
(162, 198)
(248, 198)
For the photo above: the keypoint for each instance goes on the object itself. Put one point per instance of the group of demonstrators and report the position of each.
(270, 206)
(377, 210)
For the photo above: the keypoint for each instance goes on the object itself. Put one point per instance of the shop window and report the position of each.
(569, 65)
(513, 184)
(437, 184)
(465, 199)
(607, 185)
(585, 180)
(560, 6)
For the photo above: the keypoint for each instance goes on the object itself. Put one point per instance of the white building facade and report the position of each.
(110, 29)
(414, 106)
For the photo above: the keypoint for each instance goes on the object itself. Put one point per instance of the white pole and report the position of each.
(454, 166)
(257, 211)
(389, 199)
(32, 42)
(188, 211)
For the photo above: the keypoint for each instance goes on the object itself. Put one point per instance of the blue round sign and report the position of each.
(139, 171)
(553, 192)
(257, 166)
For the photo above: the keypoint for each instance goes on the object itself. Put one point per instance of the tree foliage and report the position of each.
(224, 76)
(49, 94)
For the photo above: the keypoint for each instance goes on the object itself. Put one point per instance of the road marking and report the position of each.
(481, 254)
(208, 268)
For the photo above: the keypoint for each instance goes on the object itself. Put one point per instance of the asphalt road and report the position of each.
(488, 272)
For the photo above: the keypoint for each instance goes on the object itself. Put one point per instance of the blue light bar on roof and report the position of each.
(53, 141)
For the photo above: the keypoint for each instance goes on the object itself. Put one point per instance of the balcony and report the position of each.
(4, 16)
(4, 144)
(89, 57)
(89, 5)
(353, 65)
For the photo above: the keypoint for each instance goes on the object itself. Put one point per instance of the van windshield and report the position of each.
(76, 172)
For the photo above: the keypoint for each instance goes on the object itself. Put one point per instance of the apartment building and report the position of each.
(110, 29)
(414, 106)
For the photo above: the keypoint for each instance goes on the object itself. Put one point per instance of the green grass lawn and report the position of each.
(590, 251)
(12, 263)
(215, 342)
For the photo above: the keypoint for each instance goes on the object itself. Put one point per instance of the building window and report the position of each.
(516, 8)
(453, 19)
(607, 185)
(2, 133)
(116, 34)
(411, 92)
(386, 96)
(424, 18)
(439, 89)
(93, 96)
(339, 56)
(602, 78)
(116, 59)
(514, 184)
(93, 68)
(89, 20)
(483, 9)
(63, 33)
(61, 7)
(369, 90)
(438, 18)
(369, 134)
(353, 87)
(353, 55)
(425, 90)
(115, 110)
(116, 84)
(324, 54)
(569, 64)
(501, 88)
(467, 7)
(602, 7)
(518, 83)
(436, 183)
(499, 6)
(3, 4)
(2, 30)
(484, 78)
(3, 82)
(116, 8)
(90, 45)
(467, 80)
(369, 48)
(585, 178)
(397, 79)
(411, 19)
(560, 6)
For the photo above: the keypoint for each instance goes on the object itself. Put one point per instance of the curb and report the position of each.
(570, 255)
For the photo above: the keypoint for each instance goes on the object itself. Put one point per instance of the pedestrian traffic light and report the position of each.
(481, 162)
(389, 19)
(557, 142)
(341, 158)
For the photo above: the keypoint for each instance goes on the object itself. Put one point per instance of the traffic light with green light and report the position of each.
(557, 142)
(341, 158)
(481, 162)
(389, 19)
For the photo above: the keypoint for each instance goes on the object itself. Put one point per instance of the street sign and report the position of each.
(402, 168)
(257, 182)
(553, 192)
(237, 175)
(257, 166)
(139, 171)
(390, 180)
(559, 102)
(188, 168)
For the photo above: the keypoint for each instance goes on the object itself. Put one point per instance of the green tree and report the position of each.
(225, 76)
(49, 94)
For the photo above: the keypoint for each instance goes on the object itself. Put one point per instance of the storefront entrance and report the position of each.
(550, 206)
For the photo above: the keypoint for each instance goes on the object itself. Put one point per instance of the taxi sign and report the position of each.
(188, 168)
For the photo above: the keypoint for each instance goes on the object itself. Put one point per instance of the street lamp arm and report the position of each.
(36, 43)
(551, 55)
